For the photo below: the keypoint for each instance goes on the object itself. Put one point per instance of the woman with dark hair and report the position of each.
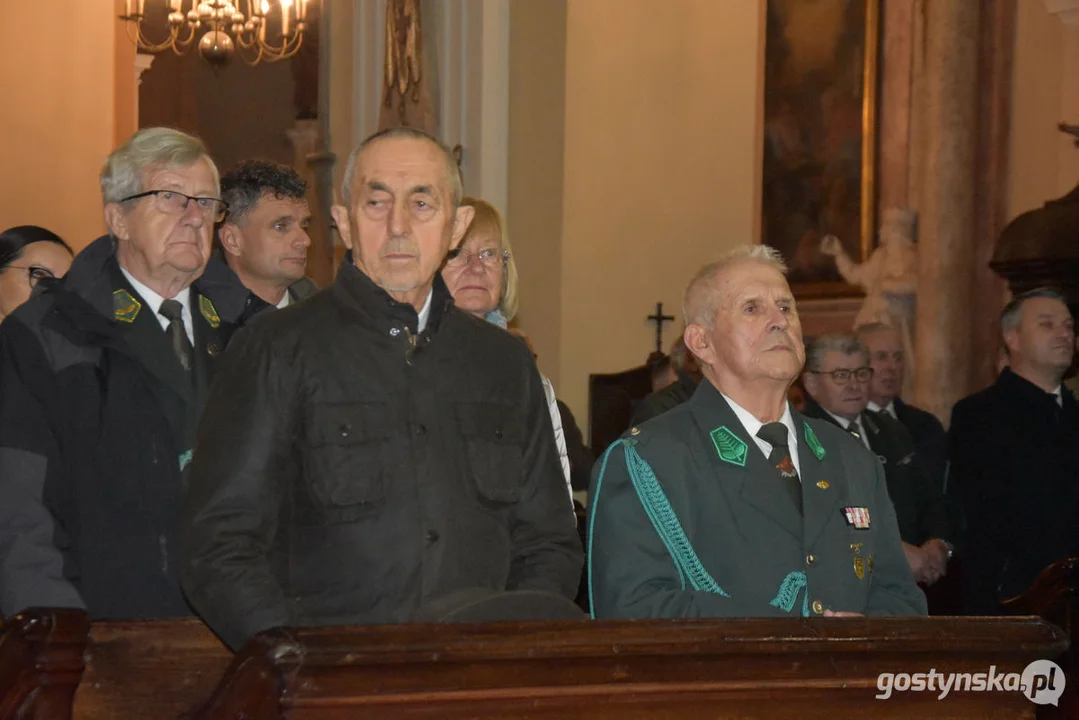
(28, 254)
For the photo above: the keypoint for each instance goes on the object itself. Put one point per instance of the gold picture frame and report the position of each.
(820, 136)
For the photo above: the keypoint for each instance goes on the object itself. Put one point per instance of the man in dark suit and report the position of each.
(688, 375)
(732, 504)
(102, 381)
(886, 358)
(1013, 457)
(836, 379)
(264, 236)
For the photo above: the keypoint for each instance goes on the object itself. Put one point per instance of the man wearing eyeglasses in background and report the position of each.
(837, 379)
(102, 378)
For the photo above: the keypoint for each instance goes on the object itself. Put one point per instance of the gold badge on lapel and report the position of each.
(209, 311)
(125, 307)
(859, 566)
(823, 485)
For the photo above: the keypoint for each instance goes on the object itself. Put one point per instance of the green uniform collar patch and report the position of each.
(209, 311)
(125, 307)
(814, 444)
(729, 446)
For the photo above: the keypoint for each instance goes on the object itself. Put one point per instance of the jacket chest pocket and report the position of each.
(345, 463)
(494, 446)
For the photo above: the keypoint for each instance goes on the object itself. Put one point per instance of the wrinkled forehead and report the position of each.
(1040, 308)
(403, 165)
(747, 280)
(197, 178)
(838, 360)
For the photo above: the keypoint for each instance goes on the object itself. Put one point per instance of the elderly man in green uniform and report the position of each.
(733, 504)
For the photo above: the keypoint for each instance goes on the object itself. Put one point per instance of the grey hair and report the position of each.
(453, 172)
(149, 149)
(1009, 316)
(820, 345)
(702, 296)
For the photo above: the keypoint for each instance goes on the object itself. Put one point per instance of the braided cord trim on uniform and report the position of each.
(666, 523)
(793, 584)
(592, 524)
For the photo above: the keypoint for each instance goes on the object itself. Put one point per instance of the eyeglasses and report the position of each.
(172, 202)
(34, 273)
(489, 257)
(842, 376)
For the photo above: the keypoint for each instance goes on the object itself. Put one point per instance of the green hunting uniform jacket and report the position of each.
(689, 519)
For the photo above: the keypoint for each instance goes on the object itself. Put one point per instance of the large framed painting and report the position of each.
(820, 96)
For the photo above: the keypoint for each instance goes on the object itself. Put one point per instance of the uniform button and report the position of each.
(421, 429)
(810, 559)
(818, 607)
(498, 433)
(432, 536)
(345, 429)
(394, 332)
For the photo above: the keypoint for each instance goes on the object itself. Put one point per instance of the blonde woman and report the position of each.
(482, 277)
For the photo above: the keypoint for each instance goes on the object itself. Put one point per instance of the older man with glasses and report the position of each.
(836, 378)
(102, 378)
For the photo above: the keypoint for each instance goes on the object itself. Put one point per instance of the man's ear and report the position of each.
(1011, 341)
(232, 240)
(462, 219)
(116, 221)
(344, 227)
(699, 342)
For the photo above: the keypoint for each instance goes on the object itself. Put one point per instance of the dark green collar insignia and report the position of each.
(125, 307)
(729, 446)
(814, 444)
(209, 311)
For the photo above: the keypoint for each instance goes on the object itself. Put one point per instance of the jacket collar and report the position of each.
(91, 279)
(358, 291)
(1021, 389)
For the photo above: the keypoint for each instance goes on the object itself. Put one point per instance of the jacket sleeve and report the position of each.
(893, 591)
(547, 551)
(237, 485)
(31, 564)
(559, 432)
(977, 463)
(631, 574)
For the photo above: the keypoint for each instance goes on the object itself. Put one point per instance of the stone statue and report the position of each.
(889, 277)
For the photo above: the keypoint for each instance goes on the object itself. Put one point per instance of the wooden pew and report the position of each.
(135, 669)
(811, 669)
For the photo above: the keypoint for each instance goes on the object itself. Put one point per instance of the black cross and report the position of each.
(659, 318)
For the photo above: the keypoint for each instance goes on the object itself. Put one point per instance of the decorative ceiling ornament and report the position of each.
(223, 28)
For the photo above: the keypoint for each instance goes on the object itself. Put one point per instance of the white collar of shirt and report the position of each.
(845, 424)
(425, 312)
(889, 408)
(1060, 395)
(285, 300)
(753, 425)
(154, 301)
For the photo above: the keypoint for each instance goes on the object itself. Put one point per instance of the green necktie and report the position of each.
(775, 434)
(173, 311)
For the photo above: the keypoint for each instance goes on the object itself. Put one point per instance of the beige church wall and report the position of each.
(661, 168)
(62, 118)
(1043, 162)
(537, 106)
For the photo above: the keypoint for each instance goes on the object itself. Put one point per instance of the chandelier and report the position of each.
(226, 28)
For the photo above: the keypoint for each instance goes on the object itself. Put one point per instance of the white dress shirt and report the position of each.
(1060, 396)
(154, 301)
(753, 425)
(424, 313)
(889, 408)
(285, 300)
(846, 424)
